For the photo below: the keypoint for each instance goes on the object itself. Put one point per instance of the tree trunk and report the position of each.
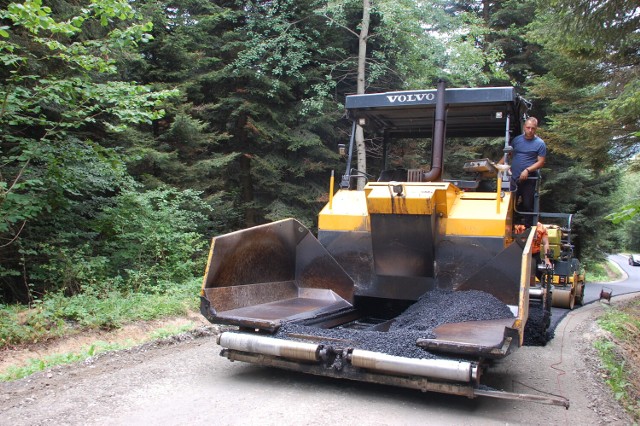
(362, 58)
(247, 190)
(245, 180)
(486, 4)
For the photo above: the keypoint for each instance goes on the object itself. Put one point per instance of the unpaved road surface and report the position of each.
(183, 381)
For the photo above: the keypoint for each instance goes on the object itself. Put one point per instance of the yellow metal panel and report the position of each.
(206, 270)
(478, 196)
(555, 236)
(347, 212)
(419, 198)
(445, 200)
(475, 214)
(414, 200)
(525, 277)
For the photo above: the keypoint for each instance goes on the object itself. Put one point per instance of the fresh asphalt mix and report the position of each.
(426, 314)
(418, 321)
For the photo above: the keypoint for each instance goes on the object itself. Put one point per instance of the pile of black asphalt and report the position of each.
(535, 332)
(433, 309)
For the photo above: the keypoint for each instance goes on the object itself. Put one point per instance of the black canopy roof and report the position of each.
(470, 112)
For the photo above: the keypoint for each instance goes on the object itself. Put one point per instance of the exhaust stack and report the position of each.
(437, 156)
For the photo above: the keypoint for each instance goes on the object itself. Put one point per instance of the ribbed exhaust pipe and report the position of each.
(437, 155)
(459, 371)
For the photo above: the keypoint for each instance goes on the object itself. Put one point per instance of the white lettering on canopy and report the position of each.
(411, 97)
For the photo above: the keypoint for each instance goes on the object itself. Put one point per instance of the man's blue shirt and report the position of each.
(525, 153)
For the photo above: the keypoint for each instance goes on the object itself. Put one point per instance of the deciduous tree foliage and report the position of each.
(61, 99)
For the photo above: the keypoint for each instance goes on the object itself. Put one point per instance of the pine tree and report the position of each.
(255, 128)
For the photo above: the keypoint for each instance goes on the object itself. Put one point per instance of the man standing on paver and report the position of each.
(529, 152)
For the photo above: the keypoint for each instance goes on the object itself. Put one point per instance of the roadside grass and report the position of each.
(34, 365)
(619, 359)
(620, 355)
(57, 315)
(163, 333)
(602, 272)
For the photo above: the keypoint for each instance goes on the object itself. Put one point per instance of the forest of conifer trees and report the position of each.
(133, 131)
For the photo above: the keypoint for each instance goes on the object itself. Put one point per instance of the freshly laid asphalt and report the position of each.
(629, 283)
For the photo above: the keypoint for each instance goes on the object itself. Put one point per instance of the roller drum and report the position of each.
(563, 298)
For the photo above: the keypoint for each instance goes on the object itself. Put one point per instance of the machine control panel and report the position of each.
(483, 165)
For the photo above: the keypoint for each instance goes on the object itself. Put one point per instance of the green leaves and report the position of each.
(592, 84)
(31, 15)
(250, 116)
(625, 213)
(151, 238)
(590, 92)
(60, 97)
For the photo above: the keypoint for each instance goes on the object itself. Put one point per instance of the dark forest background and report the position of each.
(131, 132)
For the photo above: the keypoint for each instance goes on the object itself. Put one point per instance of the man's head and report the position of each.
(530, 127)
